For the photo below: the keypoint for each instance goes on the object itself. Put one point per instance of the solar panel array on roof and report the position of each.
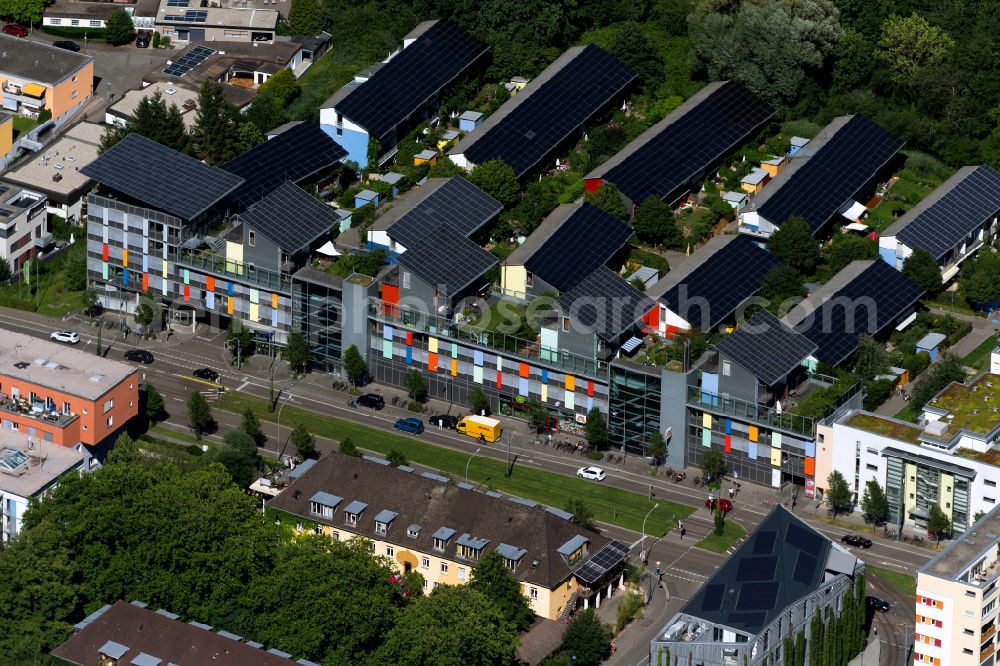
(411, 78)
(684, 149)
(585, 241)
(179, 184)
(300, 152)
(832, 176)
(550, 110)
(189, 60)
(959, 212)
(767, 347)
(864, 306)
(447, 261)
(605, 303)
(457, 204)
(750, 590)
(611, 555)
(711, 293)
(290, 217)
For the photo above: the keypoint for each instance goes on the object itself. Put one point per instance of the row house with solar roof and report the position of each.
(387, 100)
(219, 243)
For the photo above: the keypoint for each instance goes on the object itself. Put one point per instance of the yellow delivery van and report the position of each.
(480, 426)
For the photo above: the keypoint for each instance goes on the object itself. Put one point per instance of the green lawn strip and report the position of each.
(166, 431)
(57, 305)
(979, 357)
(905, 583)
(731, 533)
(611, 505)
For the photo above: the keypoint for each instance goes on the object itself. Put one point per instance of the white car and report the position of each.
(65, 336)
(593, 473)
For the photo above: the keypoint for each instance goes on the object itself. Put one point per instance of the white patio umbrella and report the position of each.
(329, 250)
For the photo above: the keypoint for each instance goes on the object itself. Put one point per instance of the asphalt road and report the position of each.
(684, 569)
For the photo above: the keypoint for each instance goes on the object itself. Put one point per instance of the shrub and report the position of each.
(415, 406)
(878, 392)
(629, 609)
(156, 39)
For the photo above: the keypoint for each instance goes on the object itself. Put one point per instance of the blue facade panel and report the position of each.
(888, 255)
(354, 142)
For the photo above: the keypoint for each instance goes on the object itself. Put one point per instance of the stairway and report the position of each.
(568, 608)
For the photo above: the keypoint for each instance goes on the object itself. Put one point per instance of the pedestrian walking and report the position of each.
(732, 491)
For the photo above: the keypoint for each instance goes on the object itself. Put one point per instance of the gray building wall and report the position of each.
(673, 414)
(264, 253)
(416, 293)
(355, 313)
(739, 383)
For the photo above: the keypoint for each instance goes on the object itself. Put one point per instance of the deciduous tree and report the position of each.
(587, 638)
(120, 29)
(492, 577)
(416, 387)
(354, 365)
(297, 351)
(396, 458)
(199, 414)
(238, 454)
(583, 515)
(910, 44)
(874, 502)
(655, 224)
(304, 443)
(596, 428)
(838, 493)
(632, 47)
(498, 180)
(305, 17)
(793, 244)
(712, 464)
(872, 358)
(153, 402)
(609, 199)
(938, 522)
(923, 270)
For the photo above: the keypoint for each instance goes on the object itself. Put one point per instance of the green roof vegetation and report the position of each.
(991, 457)
(974, 407)
(883, 426)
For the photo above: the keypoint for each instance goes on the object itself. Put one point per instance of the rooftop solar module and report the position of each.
(188, 61)
(603, 302)
(611, 555)
(457, 204)
(447, 260)
(720, 283)
(548, 110)
(866, 305)
(584, 240)
(750, 590)
(411, 78)
(298, 153)
(830, 177)
(180, 185)
(291, 217)
(679, 151)
(959, 207)
(767, 347)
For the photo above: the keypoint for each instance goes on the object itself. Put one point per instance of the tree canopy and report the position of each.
(923, 270)
(609, 199)
(838, 493)
(874, 502)
(492, 577)
(215, 134)
(655, 224)
(120, 29)
(153, 119)
(596, 428)
(793, 244)
(980, 279)
(238, 454)
(498, 180)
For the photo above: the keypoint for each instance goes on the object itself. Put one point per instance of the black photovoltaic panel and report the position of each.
(831, 177)
(721, 283)
(805, 569)
(712, 601)
(458, 204)
(767, 347)
(177, 3)
(757, 596)
(612, 554)
(299, 152)
(756, 568)
(584, 242)
(190, 16)
(803, 539)
(864, 306)
(447, 260)
(964, 209)
(413, 76)
(605, 303)
(553, 111)
(687, 148)
(188, 61)
(764, 543)
(179, 184)
(291, 217)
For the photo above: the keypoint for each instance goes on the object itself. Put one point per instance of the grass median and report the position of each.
(905, 583)
(609, 504)
(731, 533)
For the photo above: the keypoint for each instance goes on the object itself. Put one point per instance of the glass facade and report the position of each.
(634, 406)
(317, 311)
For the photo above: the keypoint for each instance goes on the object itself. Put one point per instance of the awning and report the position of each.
(854, 211)
(33, 90)
(856, 226)
(329, 250)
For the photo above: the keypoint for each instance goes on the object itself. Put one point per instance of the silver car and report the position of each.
(68, 337)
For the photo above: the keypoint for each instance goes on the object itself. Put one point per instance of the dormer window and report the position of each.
(470, 547)
(574, 549)
(353, 511)
(442, 537)
(323, 505)
(413, 531)
(511, 555)
(383, 520)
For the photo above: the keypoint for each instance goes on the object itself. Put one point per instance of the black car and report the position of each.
(142, 40)
(206, 374)
(856, 541)
(138, 356)
(66, 44)
(371, 400)
(877, 604)
(443, 421)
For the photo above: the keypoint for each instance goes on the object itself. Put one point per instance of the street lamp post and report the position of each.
(642, 550)
(280, 407)
(469, 463)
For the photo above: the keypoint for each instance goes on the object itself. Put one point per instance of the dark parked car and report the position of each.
(372, 401)
(66, 44)
(142, 39)
(416, 426)
(856, 541)
(16, 29)
(138, 356)
(443, 421)
(878, 604)
(206, 374)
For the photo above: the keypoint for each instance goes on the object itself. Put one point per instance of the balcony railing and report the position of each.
(214, 264)
(988, 633)
(985, 654)
(742, 409)
(509, 345)
(24, 409)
